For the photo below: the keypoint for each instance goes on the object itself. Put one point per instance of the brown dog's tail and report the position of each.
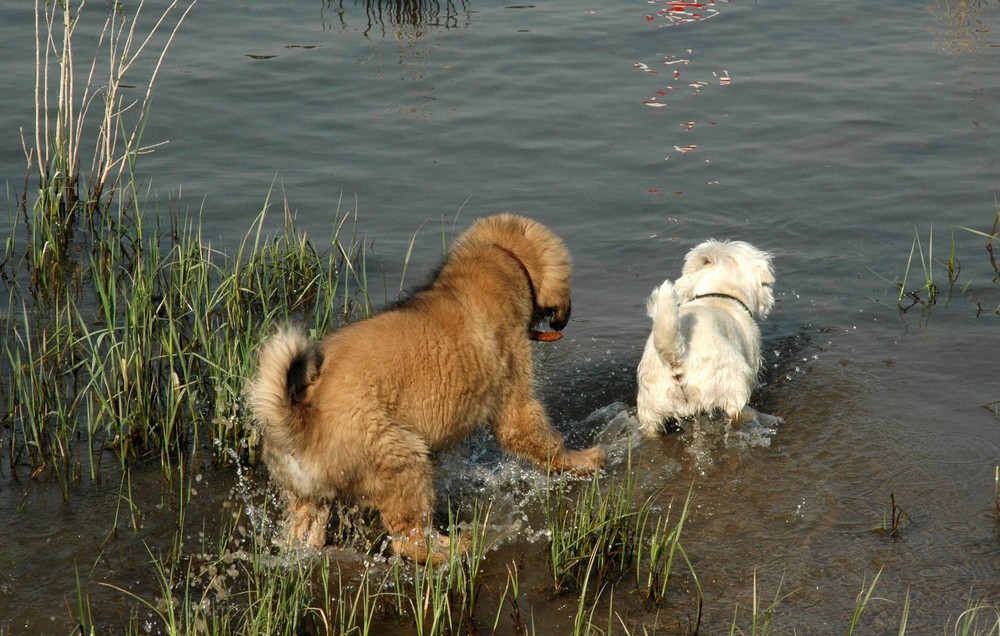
(287, 364)
(662, 307)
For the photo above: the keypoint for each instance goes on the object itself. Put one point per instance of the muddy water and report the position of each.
(828, 134)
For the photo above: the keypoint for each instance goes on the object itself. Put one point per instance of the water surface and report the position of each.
(827, 133)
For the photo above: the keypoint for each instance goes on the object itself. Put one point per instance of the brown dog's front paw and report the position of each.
(585, 462)
(433, 549)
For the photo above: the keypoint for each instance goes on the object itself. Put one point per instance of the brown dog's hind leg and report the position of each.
(524, 429)
(403, 493)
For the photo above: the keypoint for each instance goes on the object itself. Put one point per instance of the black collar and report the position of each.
(727, 296)
(524, 268)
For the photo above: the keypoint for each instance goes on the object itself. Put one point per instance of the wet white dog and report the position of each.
(703, 354)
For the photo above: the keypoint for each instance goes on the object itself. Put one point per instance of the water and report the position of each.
(828, 133)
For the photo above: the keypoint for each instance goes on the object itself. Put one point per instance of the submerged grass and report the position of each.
(919, 287)
(239, 583)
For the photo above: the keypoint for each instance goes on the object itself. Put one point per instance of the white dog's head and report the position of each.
(734, 268)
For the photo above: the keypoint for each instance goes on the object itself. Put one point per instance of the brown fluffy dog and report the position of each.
(358, 416)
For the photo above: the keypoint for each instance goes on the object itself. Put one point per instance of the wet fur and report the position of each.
(359, 415)
(703, 352)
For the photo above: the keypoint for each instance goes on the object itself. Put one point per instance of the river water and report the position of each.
(830, 134)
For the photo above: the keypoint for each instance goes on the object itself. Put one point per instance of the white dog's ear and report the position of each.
(765, 294)
(703, 261)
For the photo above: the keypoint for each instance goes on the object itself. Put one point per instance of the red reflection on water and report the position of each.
(681, 12)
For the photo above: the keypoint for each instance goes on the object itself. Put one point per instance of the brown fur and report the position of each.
(359, 415)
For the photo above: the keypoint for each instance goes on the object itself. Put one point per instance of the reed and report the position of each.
(63, 102)
(467, 554)
(583, 621)
(904, 619)
(892, 521)
(511, 596)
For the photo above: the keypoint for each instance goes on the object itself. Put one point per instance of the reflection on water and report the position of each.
(406, 19)
(681, 12)
(965, 29)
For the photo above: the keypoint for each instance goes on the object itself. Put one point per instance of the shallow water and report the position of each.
(827, 133)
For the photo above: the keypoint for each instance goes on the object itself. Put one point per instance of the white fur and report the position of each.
(703, 354)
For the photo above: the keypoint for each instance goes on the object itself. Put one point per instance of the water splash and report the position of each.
(255, 502)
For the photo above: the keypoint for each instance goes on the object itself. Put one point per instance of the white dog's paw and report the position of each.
(769, 421)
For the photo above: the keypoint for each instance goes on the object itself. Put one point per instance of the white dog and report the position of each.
(703, 354)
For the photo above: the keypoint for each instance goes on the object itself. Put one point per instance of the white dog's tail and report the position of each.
(287, 364)
(662, 307)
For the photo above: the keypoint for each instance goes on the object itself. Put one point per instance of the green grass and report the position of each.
(235, 582)
(760, 617)
(146, 352)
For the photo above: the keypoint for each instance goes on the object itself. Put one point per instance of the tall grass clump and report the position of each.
(600, 521)
(148, 352)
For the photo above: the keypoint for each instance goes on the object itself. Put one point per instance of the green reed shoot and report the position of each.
(430, 601)
(583, 620)
(664, 546)
(904, 619)
(464, 581)
(980, 618)
(84, 620)
(510, 595)
(926, 264)
(760, 618)
(861, 602)
(991, 237)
